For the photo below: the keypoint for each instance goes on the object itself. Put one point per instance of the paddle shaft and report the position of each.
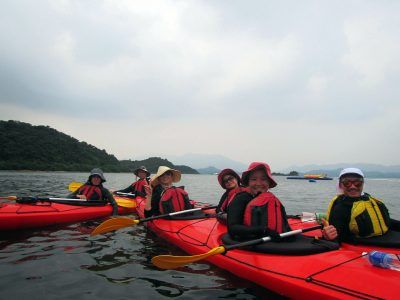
(40, 199)
(177, 213)
(57, 200)
(125, 194)
(267, 238)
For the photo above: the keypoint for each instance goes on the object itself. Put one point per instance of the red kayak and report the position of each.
(15, 216)
(334, 274)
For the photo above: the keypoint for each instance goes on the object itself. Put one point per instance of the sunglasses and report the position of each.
(227, 179)
(349, 182)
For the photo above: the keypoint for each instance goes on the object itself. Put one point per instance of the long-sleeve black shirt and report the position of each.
(237, 229)
(106, 197)
(341, 213)
(155, 202)
(221, 201)
(132, 189)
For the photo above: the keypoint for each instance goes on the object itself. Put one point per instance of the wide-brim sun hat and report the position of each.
(98, 172)
(348, 171)
(258, 166)
(142, 168)
(176, 175)
(225, 172)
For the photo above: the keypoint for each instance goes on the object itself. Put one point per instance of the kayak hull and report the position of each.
(16, 216)
(339, 274)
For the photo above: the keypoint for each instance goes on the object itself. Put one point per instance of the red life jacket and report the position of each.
(265, 210)
(231, 194)
(174, 199)
(139, 185)
(92, 192)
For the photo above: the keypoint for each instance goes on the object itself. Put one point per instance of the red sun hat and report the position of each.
(226, 172)
(256, 166)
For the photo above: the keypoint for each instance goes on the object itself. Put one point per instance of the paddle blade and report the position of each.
(73, 186)
(9, 198)
(126, 203)
(173, 262)
(113, 224)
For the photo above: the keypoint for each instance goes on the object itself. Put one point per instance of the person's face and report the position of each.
(352, 186)
(166, 178)
(142, 174)
(230, 182)
(258, 182)
(95, 180)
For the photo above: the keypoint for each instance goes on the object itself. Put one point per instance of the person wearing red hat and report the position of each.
(230, 181)
(257, 212)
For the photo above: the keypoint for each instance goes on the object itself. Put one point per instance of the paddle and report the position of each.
(121, 222)
(172, 262)
(36, 199)
(129, 195)
(73, 186)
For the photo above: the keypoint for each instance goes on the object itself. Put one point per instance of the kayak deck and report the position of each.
(338, 274)
(15, 216)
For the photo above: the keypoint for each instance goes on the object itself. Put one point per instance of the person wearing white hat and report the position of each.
(137, 187)
(162, 197)
(358, 216)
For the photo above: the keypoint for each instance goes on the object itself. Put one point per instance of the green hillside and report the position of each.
(28, 147)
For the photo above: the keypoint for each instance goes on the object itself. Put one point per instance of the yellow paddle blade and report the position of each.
(173, 262)
(9, 198)
(113, 224)
(126, 203)
(73, 186)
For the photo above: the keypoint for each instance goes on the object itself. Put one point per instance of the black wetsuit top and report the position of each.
(106, 197)
(340, 217)
(155, 202)
(131, 189)
(237, 230)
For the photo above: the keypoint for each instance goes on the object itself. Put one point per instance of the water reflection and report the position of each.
(118, 265)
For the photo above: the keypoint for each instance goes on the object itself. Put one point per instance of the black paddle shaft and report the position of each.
(267, 238)
(177, 213)
(28, 200)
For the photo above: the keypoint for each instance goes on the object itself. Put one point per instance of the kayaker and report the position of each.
(256, 212)
(162, 197)
(230, 181)
(137, 187)
(93, 190)
(355, 214)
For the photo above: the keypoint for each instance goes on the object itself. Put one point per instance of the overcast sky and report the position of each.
(286, 82)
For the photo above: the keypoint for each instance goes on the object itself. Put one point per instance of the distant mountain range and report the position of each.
(206, 161)
(208, 170)
(333, 170)
(28, 147)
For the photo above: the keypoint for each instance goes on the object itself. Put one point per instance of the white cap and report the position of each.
(351, 171)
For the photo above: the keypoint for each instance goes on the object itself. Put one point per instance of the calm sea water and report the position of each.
(64, 262)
